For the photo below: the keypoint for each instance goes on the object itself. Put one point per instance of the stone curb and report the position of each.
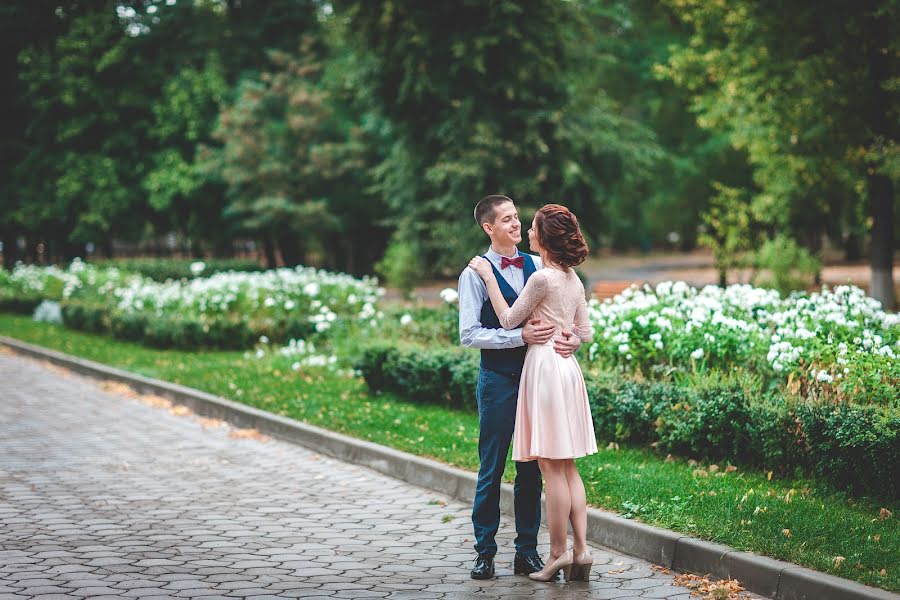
(765, 576)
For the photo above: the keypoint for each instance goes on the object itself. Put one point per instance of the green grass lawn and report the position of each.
(791, 519)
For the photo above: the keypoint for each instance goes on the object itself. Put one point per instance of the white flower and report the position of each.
(697, 354)
(406, 319)
(289, 305)
(260, 353)
(449, 295)
(197, 267)
(269, 302)
(824, 376)
(295, 366)
(263, 339)
(623, 348)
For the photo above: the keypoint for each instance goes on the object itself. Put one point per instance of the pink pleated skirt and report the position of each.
(553, 416)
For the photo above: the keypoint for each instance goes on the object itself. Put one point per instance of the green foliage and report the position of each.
(787, 266)
(488, 109)
(401, 265)
(165, 269)
(446, 375)
(730, 229)
(808, 92)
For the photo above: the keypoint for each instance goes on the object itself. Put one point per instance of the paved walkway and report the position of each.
(107, 496)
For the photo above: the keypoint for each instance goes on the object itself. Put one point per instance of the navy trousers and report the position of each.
(497, 395)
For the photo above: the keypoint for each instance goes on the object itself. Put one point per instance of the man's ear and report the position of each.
(488, 228)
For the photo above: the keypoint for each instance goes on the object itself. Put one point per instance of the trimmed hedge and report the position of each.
(22, 305)
(853, 447)
(446, 376)
(164, 269)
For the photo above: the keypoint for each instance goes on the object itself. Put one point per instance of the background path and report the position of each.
(108, 496)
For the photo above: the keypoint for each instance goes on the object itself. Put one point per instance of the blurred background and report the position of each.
(701, 140)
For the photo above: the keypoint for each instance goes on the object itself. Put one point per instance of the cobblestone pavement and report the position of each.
(108, 496)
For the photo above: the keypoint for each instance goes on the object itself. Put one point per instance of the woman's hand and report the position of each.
(483, 267)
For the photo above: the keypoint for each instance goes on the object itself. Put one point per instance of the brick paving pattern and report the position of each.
(104, 496)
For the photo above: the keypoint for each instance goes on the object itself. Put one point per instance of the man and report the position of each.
(502, 357)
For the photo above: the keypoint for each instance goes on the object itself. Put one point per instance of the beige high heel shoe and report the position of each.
(564, 563)
(581, 567)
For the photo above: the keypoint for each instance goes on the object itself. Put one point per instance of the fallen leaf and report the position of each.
(247, 434)
(208, 423)
(787, 533)
(884, 514)
(730, 469)
(837, 561)
(180, 410)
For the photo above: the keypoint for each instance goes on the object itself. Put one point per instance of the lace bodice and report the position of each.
(553, 296)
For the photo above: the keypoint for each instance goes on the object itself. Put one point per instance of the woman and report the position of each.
(553, 419)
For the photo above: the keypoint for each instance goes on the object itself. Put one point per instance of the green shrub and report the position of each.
(19, 304)
(447, 376)
(710, 424)
(401, 265)
(855, 448)
(86, 316)
(787, 266)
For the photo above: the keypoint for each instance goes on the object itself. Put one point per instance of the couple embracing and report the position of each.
(528, 315)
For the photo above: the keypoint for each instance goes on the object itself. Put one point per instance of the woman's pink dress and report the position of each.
(553, 417)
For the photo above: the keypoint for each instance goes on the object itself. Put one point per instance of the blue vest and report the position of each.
(507, 361)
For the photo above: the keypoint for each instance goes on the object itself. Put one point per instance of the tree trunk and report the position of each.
(291, 249)
(269, 249)
(881, 254)
(853, 247)
(106, 247)
(880, 186)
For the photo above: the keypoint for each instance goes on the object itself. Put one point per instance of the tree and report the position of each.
(78, 179)
(806, 91)
(286, 158)
(477, 100)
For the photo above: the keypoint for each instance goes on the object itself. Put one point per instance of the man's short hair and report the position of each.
(486, 208)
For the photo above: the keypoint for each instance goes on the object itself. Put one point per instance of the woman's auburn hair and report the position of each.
(559, 234)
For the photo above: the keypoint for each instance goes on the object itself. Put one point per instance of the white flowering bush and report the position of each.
(833, 343)
(320, 297)
(281, 302)
(79, 280)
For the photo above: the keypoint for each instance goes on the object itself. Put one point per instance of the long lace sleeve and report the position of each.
(535, 290)
(583, 328)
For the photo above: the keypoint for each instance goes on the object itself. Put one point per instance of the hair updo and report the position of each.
(559, 234)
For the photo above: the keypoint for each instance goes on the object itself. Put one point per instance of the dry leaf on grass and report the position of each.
(708, 589)
(247, 434)
(884, 514)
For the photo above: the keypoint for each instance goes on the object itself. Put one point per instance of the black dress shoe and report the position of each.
(525, 565)
(484, 567)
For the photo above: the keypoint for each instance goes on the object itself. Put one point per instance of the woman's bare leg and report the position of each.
(556, 495)
(578, 506)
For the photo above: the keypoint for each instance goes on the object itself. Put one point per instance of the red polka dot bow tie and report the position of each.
(518, 261)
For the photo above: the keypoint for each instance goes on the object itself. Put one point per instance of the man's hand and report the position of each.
(535, 333)
(566, 344)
